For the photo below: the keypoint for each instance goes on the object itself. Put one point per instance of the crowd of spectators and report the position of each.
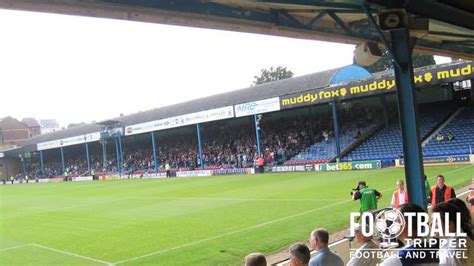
(224, 145)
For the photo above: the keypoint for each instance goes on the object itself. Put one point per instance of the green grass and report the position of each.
(190, 221)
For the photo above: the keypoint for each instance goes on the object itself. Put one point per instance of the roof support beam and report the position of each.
(339, 21)
(315, 20)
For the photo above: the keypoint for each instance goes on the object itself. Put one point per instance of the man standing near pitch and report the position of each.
(368, 197)
(441, 192)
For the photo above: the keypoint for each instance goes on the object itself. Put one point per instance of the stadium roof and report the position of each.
(449, 32)
(254, 93)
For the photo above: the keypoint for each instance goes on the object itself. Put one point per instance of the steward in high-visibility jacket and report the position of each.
(400, 196)
(441, 192)
(260, 164)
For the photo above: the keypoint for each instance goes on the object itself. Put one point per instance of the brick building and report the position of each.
(13, 133)
(33, 126)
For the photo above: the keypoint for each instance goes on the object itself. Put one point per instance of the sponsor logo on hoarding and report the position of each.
(257, 107)
(351, 166)
(193, 173)
(444, 159)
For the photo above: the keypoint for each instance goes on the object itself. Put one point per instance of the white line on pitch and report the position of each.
(227, 199)
(251, 227)
(19, 246)
(71, 254)
(232, 232)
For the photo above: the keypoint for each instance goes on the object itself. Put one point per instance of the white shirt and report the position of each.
(401, 198)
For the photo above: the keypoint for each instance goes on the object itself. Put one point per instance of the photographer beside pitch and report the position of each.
(368, 197)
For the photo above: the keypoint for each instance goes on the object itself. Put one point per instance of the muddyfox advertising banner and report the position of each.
(376, 85)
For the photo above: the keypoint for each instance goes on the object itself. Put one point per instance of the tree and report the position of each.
(272, 74)
(385, 62)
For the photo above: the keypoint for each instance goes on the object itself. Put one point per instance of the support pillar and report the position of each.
(120, 154)
(407, 105)
(41, 163)
(155, 161)
(336, 129)
(63, 168)
(201, 159)
(257, 133)
(87, 158)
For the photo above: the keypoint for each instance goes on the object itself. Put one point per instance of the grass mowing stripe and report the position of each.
(71, 254)
(259, 225)
(232, 232)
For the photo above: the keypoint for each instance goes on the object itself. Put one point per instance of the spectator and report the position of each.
(439, 137)
(465, 213)
(299, 255)
(260, 164)
(400, 196)
(452, 244)
(441, 192)
(450, 136)
(411, 254)
(367, 245)
(318, 240)
(470, 197)
(255, 259)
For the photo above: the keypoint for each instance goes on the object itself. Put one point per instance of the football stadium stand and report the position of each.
(387, 143)
(461, 129)
(297, 127)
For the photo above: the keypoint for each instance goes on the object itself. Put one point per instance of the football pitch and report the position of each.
(182, 221)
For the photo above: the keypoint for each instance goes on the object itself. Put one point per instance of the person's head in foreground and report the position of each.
(299, 255)
(410, 208)
(450, 208)
(255, 259)
(319, 239)
(359, 236)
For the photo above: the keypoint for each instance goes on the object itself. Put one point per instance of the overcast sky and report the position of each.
(79, 69)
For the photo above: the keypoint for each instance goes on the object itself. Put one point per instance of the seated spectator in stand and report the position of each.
(318, 241)
(325, 136)
(367, 244)
(299, 255)
(439, 137)
(453, 244)
(450, 136)
(255, 259)
(411, 254)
